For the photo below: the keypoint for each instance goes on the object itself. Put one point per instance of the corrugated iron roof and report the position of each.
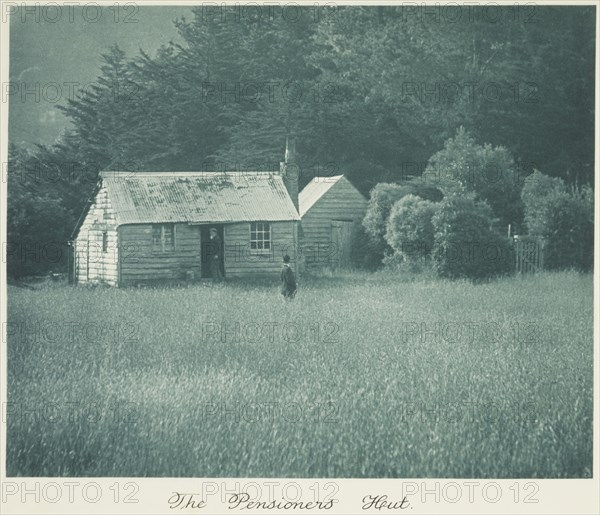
(314, 190)
(158, 197)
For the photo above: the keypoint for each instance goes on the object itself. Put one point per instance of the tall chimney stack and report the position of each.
(290, 170)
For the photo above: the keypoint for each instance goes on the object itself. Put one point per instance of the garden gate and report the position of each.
(529, 254)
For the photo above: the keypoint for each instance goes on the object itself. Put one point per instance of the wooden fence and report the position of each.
(529, 254)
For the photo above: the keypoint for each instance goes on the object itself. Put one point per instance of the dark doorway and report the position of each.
(208, 249)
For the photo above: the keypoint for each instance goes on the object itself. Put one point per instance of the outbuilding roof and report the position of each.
(314, 190)
(198, 197)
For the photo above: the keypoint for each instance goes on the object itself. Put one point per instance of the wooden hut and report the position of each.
(329, 208)
(153, 226)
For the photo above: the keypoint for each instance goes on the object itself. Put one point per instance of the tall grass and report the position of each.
(351, 379)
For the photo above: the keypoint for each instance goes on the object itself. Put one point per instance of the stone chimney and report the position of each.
(290, 170)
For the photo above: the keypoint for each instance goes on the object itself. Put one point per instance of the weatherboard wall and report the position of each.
(341, 202)
(94, 261)
(140, 262)
(241, 261)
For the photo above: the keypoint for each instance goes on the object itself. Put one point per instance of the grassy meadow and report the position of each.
(362, 375)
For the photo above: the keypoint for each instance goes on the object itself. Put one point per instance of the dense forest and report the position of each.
(371, 92)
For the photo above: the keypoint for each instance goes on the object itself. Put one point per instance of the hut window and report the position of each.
(104, 241)
(163, 237)
(260, 237)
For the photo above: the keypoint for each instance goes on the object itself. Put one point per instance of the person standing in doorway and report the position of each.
(214, 255)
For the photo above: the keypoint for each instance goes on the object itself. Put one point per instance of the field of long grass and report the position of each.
(360, 376)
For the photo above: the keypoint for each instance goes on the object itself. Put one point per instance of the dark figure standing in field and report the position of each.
(214, 257)
(288, 280)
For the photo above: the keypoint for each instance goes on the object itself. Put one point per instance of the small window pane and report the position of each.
(260, 236)
(163, 237)
(168, 236)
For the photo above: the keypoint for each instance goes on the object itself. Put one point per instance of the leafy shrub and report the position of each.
(536, 194)
(363, 254)
(382, 199)
(465, 245)
(563, 218)
(424, 189)
(490, 172)
(409, 229)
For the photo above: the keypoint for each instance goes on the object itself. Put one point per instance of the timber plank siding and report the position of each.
(96, 247)
(241, 261)
(342, 202)
(141, 262)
